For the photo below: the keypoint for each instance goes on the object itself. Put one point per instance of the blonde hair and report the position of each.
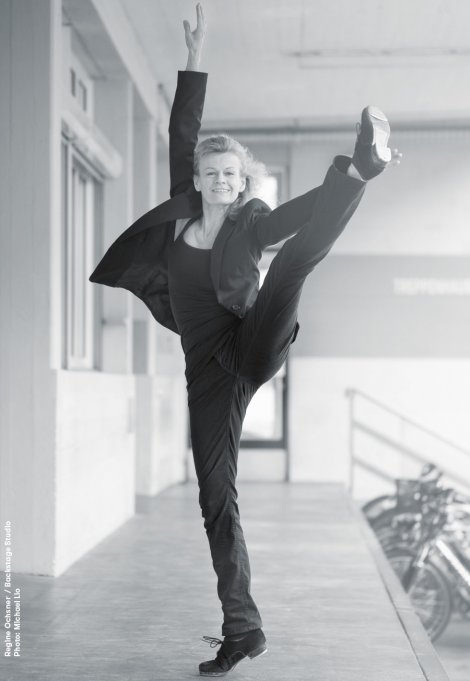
(252, 170)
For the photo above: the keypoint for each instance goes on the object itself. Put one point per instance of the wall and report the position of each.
(161, 417)
(95, 445)
(30, 205)
(433, 392)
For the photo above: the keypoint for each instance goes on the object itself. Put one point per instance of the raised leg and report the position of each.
(266, 333)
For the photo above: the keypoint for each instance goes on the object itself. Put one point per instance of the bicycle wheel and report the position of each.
(430, 595)
(376, 507)
(390, 537)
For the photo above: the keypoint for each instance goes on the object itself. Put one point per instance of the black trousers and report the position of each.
(219, 397)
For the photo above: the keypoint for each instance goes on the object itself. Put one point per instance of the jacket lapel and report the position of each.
(186, 205)
(218, 250)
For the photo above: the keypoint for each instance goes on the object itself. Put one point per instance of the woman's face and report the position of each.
(219, 180)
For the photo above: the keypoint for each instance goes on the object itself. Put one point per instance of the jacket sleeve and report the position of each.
(185, 122)
(326, 208)
(271, 227)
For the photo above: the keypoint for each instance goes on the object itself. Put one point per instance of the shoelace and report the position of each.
(214, 642)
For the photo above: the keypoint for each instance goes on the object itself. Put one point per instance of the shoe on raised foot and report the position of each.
(371, 153)
(233, 649)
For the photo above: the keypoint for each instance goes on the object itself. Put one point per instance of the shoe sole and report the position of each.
(381, 128)
(254, 653)
(258, 651)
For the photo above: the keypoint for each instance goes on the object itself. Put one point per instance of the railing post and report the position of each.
(350, 396)
(403, 473)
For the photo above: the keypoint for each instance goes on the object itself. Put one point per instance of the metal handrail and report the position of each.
(351, 393)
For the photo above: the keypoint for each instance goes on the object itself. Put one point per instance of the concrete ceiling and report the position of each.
(300, 62)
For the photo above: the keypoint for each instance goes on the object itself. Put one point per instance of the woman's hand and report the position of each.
(195, 39)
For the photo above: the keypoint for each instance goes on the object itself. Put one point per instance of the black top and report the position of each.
(202, 322)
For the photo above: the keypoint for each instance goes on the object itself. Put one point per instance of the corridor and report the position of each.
(136, 606)
(93, 400)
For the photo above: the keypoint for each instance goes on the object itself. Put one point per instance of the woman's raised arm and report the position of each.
(186, 112)
(195, 39)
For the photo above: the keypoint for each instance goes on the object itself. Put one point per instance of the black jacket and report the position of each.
(138, 259)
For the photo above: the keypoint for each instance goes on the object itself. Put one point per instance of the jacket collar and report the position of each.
(185, 205)
(218, 249)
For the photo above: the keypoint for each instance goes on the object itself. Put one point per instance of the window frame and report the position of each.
(280, 443)
(74, 162)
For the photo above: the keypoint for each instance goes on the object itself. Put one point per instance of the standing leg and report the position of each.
(217, 406)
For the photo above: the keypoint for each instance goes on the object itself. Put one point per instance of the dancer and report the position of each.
(193, 261)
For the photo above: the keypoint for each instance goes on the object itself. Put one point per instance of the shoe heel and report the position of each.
(258, 651)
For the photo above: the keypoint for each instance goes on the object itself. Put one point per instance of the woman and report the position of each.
(199, 277)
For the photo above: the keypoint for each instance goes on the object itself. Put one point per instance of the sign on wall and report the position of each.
(380, 306)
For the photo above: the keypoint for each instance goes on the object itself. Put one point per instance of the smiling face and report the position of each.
(219, 180)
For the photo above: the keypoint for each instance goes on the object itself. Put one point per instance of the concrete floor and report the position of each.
(136, 606)
(453, 648)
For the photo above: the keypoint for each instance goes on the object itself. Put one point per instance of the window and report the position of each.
(266, 416)
(270, 191)
(265, 419)
(81, 208)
